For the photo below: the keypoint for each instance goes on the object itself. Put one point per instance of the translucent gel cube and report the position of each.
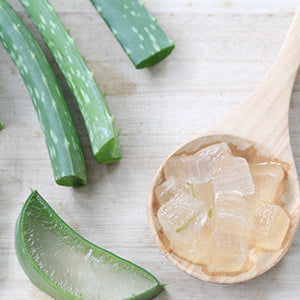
(269, 181)
(205, 192)
(227, 252)
(196, 249)
(232, 175)
(216, 151)
(268, 226)
(182, 217)
(188, 168)
(170, 188)
(231, 214)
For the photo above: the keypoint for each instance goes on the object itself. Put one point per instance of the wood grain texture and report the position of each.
(223, 49)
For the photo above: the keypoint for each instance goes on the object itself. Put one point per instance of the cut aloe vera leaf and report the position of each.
(99, 123)
(66, 266)
(136, 30)
(57, 125)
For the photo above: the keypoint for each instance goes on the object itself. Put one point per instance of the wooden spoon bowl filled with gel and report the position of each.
(225, 207)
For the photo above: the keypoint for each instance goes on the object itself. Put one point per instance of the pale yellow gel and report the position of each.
(214, 206)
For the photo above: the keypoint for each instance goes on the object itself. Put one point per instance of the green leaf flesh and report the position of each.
(136, 30)
(60, 134)
(66, 266)
(99, 123)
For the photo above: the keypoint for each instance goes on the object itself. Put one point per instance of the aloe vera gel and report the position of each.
(66, 266)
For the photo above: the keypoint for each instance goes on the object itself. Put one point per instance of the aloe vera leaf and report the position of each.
(136, 30)
(57, 125)
(99, 123)
(66, 266)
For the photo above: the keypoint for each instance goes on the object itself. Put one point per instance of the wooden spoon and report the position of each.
(257, 127)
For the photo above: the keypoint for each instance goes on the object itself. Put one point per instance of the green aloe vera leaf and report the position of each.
(99, 123)
(66, 266)
(136, 30)
(57, 125)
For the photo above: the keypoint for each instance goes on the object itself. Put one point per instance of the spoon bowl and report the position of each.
(258, 131)
(254, 153)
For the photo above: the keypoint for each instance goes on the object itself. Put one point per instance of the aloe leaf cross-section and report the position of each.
(99, 123)
(66, 266)
(46, 95)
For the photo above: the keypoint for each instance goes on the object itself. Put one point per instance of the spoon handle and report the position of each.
(263, 116)
(282, 73)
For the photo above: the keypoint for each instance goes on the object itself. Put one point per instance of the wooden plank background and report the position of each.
(223, 49)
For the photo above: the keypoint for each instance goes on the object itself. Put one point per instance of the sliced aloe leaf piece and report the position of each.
(66, 266)
(99, 123)
(60, 134)
(137, 31)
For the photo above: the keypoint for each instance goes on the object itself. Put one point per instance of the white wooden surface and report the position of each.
(223, 49)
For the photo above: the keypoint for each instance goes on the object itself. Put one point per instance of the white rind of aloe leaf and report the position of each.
(66, 266)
